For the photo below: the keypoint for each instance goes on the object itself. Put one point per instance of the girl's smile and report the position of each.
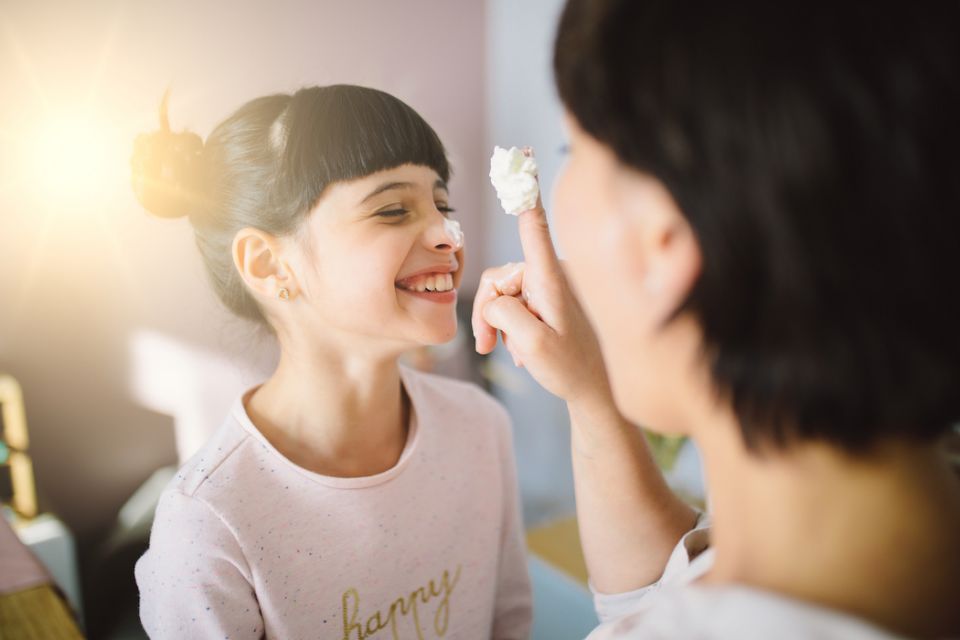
(433, 283)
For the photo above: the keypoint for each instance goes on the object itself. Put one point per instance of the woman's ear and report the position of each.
(668, 258)
(258, 257)
(673, 266)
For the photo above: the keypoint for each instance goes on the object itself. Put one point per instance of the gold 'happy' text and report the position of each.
(356, 627)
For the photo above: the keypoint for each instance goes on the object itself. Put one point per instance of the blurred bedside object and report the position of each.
(52, 543)
(13, 447)
(31, 608)
(44, 534)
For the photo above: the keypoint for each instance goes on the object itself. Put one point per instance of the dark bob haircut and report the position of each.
(814, 149)
(268, 164)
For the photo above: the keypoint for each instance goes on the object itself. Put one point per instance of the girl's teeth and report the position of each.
(435, 282)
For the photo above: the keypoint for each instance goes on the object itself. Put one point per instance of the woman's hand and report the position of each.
(543, 326)
(629, 519)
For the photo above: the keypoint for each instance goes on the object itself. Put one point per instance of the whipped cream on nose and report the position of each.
(454, 232)
(514, 176)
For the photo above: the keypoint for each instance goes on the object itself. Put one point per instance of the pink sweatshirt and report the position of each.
(248, 545)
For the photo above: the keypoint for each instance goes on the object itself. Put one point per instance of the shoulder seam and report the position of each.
(208, 472)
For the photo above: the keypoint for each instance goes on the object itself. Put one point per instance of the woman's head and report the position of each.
(278, 198)
(776, 188)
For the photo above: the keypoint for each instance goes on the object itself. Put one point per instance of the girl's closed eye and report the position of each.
(399, 212)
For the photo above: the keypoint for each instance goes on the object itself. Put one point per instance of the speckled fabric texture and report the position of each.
(248, 545)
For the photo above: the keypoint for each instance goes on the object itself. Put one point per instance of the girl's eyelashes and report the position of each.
(392, 213)
(400, 211)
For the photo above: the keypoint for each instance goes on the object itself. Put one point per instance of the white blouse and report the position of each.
(674, 607)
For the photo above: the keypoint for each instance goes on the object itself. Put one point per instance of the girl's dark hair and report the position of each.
(267, 165)
(813, 148)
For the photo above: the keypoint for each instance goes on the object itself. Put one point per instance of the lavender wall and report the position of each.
(89, 287)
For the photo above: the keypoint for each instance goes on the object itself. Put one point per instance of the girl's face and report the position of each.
(370, 253)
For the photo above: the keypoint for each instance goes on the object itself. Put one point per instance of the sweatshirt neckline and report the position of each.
(361, 482)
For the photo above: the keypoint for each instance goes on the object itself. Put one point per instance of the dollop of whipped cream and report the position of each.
(454, 232)
(513, 173)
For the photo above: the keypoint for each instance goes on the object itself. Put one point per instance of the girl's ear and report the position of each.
(258, 257)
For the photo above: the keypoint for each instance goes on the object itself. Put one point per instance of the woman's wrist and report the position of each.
(593, 401)
(593, 407)
(595, 420)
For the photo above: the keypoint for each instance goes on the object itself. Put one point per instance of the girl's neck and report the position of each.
(333, 412)
(874, 536)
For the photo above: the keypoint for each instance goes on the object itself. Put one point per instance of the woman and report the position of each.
(760, 212)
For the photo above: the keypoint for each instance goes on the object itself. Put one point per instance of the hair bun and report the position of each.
(166, 168)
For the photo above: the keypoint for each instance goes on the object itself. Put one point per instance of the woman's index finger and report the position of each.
(535, 239)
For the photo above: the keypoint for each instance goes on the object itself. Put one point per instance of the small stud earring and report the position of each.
(284, 293)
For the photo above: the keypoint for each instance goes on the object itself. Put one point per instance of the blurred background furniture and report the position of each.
(46, 537)
(13, 448)
(52, 543)
(31, 605)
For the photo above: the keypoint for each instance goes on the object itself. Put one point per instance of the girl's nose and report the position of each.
(449, 236)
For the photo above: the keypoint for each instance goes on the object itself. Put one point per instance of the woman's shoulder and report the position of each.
(728, 612)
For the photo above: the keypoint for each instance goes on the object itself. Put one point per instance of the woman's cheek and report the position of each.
(563, 211)
(575, 225)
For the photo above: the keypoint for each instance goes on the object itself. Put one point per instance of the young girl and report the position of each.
(347, 496)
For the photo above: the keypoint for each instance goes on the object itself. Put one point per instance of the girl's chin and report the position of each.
(441, 337)
(437, 334)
